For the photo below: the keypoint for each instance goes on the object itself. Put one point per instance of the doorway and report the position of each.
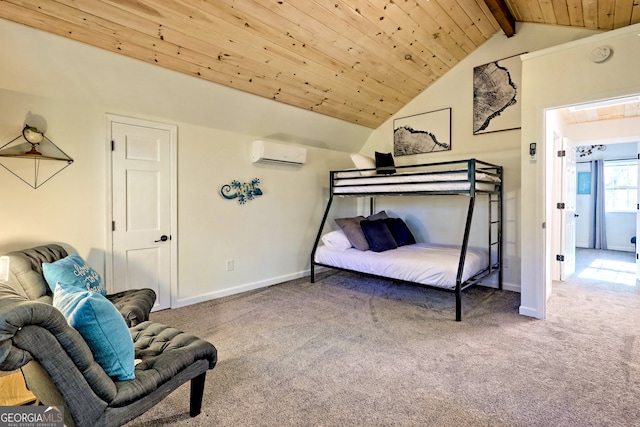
(142, 207)
(607, 200)
(586, 139)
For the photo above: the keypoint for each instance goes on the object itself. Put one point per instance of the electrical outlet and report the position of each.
(230, 265)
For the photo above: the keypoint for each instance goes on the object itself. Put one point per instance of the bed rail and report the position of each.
(442, 178)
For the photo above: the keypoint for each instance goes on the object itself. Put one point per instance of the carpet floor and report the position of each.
(356, 351)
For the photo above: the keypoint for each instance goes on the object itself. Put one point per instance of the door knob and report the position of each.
(163, 238)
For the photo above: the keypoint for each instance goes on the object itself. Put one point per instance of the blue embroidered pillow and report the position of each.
(102, 327)
(73, 270)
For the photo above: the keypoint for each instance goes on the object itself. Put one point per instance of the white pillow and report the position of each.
(336, 240)
(364, 162)
(344, 174)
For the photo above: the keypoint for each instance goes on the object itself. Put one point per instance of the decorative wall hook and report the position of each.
(242, 191)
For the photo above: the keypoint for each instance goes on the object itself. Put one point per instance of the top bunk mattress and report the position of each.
(353, 182)
(427, 264)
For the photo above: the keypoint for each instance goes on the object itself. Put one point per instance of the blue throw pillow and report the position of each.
(102, 327)
(400, 231)
(73, 270)
(378, 235)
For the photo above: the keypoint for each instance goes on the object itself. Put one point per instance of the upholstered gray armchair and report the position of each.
(60, 369)
(26, 277)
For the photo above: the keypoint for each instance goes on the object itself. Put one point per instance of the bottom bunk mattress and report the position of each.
(427, 264)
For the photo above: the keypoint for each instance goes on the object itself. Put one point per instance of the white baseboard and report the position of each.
(511, 287)
(239, 289)
(492, 282)
(530, 312)
(621, 248)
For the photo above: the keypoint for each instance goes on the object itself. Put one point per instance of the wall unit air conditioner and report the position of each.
(273, 152)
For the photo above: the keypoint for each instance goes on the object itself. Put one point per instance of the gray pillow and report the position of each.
(351, 229)
(379, 215)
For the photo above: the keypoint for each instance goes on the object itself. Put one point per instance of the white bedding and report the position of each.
(411, 182)
(428, 264)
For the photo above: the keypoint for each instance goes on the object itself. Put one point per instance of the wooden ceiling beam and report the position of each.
(502, 14)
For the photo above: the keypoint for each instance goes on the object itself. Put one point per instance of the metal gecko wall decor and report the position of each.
(244, 191)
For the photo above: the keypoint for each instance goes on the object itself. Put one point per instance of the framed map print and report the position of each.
(497, 95)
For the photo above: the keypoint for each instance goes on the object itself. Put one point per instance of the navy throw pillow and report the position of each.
(378, 235)
(400, 232)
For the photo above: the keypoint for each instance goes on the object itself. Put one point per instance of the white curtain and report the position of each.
(600, 230)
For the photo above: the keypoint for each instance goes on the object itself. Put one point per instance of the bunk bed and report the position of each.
(451, 268)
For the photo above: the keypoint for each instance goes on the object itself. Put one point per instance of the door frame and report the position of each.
(173, 150)
(546, 182)
(556, 224)
(638, 218)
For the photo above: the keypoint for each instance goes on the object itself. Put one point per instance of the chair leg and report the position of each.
(197, 391)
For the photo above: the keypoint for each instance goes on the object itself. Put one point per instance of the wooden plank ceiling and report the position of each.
(356, 60)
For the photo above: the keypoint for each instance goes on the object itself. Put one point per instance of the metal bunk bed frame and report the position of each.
(494, 242)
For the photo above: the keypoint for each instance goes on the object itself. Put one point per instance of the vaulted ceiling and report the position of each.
(356, 60)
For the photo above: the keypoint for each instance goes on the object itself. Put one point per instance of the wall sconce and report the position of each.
(33, 145)
(4, 269)
(587, 150)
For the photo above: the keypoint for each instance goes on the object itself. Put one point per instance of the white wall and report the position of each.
(621, 138)
(71, 87)
(552, 78)
(442, 219)
(620, 226)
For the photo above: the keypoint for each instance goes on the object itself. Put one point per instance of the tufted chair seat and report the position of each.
(60, 370)
(134, 304)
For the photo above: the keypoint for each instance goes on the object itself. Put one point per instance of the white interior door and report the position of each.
(141, 176)
(569, 216)
(564, 217)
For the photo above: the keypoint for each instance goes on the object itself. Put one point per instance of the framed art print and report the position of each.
(584, 182)
(497, 95)
(422, 133)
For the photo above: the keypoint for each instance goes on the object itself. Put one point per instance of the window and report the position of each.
(620, 185)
